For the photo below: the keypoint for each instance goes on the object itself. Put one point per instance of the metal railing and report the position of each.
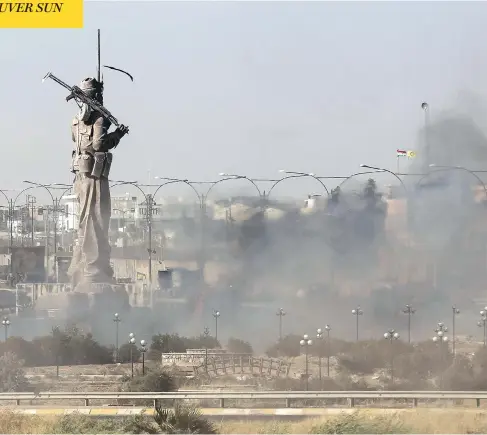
(221, 396)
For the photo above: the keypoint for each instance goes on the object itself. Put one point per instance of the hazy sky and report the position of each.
(245, 87)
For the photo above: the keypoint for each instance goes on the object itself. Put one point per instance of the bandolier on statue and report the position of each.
(91, 162)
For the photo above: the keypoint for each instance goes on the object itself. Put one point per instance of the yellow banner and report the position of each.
(47, 14)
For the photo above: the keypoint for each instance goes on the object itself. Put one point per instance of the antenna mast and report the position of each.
(99, 59)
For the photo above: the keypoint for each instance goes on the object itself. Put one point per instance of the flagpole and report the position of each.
(397, 170)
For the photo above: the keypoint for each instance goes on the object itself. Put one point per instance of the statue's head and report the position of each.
(92, 88)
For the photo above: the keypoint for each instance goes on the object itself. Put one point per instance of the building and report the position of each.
(68, 216)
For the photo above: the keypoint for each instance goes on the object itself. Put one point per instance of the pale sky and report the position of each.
(243, 87)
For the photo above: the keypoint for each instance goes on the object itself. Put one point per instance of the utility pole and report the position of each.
(409, 310)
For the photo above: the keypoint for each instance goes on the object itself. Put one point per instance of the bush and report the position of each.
(236, 345)
(367, 356)
(152, 381)
(124, 353)
(182, 420)
(360, 423)
(289, 346)
(12, 375)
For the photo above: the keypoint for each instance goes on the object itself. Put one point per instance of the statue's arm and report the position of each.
(102, 140)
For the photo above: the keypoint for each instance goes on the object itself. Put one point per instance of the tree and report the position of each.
(12, 374)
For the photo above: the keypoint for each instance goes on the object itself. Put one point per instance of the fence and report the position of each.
(285, 396)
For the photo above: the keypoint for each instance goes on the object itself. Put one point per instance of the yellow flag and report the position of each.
(411, 154)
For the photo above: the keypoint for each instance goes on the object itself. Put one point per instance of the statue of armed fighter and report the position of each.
(91, 163)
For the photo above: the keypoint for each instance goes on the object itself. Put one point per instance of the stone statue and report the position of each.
(91, 161)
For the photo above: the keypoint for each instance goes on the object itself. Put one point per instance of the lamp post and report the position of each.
(117, 320)
(281, 313)
(206, 333)
(483, 323)
(6, 325)
(357, 312)
(143, 350)
(440, 338)
(391, 335)
(132, 344)
(216, 315)
(455, 313)
(319, 336)
(328, 342)
(425, 107)
(306, 342)
(409, 310)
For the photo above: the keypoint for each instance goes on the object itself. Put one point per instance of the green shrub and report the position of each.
(124, 353)
(156, 381)
(360, 423)
(12, 374)
(182, 420)
(235, 345)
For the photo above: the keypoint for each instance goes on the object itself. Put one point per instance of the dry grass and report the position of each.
(426, 421)
(15, 423)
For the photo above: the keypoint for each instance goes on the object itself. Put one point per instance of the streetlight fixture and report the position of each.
(409, 310)
(357, 312)
(117, 320)
(455, 313)
(483, 323)
(143, 350)
(319, 336)
(132, 344)
(328, 342)
(281, 313)
(440, 338)
(306, 342)
(216, 315)
(391, 335)
(6, 325)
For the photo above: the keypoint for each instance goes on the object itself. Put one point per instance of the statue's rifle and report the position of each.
(78, 94)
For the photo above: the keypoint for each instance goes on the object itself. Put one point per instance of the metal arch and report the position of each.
(232, 178)
(452, 168)
(298, 176)
(46, 187)
(25, 190)
(356, 174)
(5, 195)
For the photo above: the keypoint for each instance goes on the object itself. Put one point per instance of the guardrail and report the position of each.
(221, 396)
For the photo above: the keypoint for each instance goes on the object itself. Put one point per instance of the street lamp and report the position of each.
(391, 335)
(409, 310)
(6, 324)
(216, 315)
(483, 323)
(440, 338)
(319, 336)
(455, 313)
(117, 320)
(143, 350)
(206, 333)
(357, 312)
(306, 342)
(132, 344)
(328, 342)
(280, 313)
